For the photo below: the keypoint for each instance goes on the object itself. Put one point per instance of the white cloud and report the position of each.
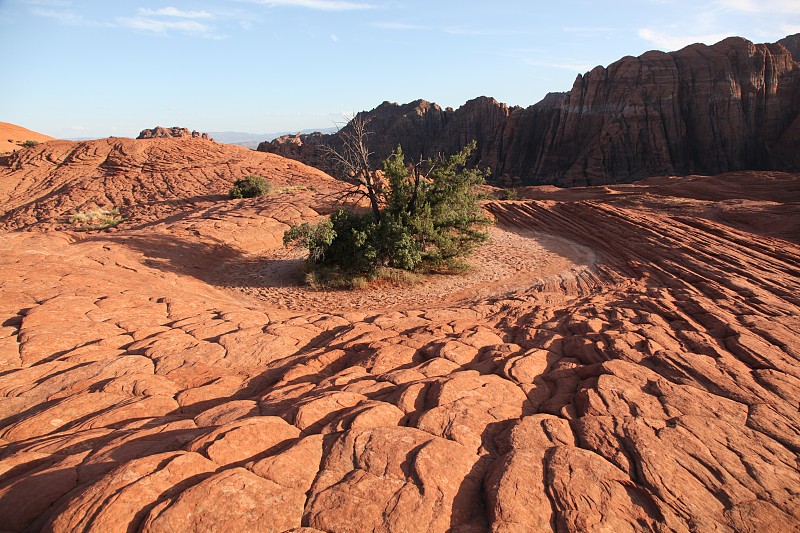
(164, 26)
(672, 41)
(466, 30)
(790, 29)
(175, 12)
(68, 18)
(51, 3)
(398, 26)
(768, 7)
(185, 22)
(322, 5)
(334, 38)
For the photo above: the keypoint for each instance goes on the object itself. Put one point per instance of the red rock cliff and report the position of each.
(704, 109)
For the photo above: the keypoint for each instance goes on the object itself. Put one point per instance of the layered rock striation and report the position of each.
(162, 378)
(704, 109)
(148, 179)
(656, 390)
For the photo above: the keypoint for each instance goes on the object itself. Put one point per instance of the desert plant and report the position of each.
(428, 218)
(509, 194)
(250, 187)
(96, 219)
(289, 189)
(315, 238)
(29, 144)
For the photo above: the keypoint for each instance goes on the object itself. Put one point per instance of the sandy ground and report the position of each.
(512, 260)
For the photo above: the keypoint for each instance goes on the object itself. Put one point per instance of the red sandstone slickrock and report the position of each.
(169, 376)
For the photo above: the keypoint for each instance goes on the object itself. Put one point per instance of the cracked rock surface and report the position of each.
(640, 373)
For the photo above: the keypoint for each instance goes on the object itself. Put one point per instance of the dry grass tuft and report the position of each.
(96, 219)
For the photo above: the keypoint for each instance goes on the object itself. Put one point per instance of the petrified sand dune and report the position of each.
(12, 137)
(148, 179)
(647, 379)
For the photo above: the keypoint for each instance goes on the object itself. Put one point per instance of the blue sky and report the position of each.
(88, 68)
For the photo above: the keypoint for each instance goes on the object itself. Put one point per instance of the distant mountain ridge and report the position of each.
(704, 109)
(252, 140)
(237, 138)
(175, 132)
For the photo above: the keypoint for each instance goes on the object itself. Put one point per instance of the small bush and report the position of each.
(315, 238)
(397, 276)
(29, 144)
(289, 189)
(96, 219)
(509, 194)
(333, 278)
(250, 186)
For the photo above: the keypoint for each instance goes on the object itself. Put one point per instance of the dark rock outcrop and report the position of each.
(160, 132)
(704, 109)
(792, 43)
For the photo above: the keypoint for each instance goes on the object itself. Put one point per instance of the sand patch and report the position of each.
(514, 259)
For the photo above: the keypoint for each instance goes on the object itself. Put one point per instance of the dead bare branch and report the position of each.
(353, 158)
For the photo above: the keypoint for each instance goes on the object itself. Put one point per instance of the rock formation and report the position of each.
(422, 128)
(704, 109)
(146, 179)
(170, 375)
(792, 43)
(734, 105)
(12, 137)
(174, 132)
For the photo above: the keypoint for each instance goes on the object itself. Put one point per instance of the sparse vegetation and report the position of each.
(423, 217)
(250, 186)
(96, 219)
(323, 277)
(509, 194)
(29, 144)
(288, 189)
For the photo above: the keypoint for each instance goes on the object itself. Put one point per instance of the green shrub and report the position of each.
(322, 277)
(429, 219)
(29, 144)
(315, 238)
(346, 242)
(509, 194)
(250, 187)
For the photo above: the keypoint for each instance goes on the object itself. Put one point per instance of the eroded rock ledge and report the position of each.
(658, 394)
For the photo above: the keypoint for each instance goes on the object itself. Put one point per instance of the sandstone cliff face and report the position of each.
(792, 43)
(700, 110)
(422, 128)
(704, 109)
(418, 126)
(160, 132)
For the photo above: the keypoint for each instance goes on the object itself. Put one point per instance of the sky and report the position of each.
(91, 68)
